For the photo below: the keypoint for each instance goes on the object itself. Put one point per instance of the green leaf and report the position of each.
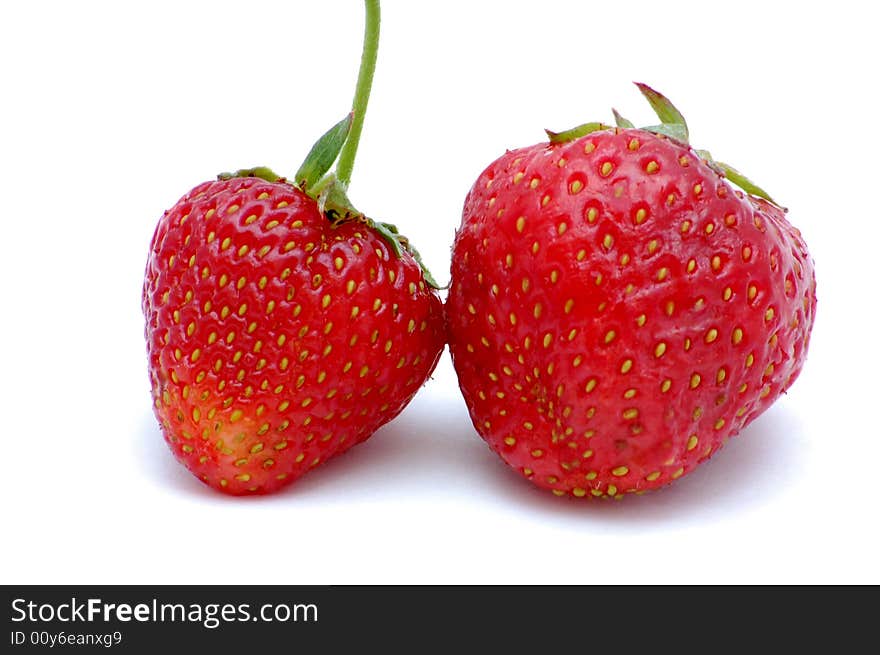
(333, 201)
(576, 132)
(665, 110)
(389, 233)
(620, 120)
(672, 130)
(323, 154)
(399, 244)
(743, 182)
(262, 172)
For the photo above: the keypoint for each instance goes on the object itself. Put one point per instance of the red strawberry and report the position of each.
(283, 326)
(617, 310)
(276, 339)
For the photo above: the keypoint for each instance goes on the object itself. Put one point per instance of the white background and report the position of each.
(109, 112)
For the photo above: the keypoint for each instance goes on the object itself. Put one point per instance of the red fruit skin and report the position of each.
(617, 311)
(275, 340)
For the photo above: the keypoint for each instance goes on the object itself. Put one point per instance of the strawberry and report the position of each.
(283, 326)
(618, 310)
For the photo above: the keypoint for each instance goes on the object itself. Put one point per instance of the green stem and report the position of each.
(362, 91)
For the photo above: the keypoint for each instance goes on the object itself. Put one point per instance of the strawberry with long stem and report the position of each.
(283, 325)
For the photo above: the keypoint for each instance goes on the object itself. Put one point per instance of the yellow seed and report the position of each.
(606, 169)
(641, 215)
(620, 471)
(652, 167)
(660, 349)
(652, 476)
(520, 223)
(609, 336)
(575, 186)
(626, 366)
(591, 384)
(695, 380)
(711, 335)
(592, 214)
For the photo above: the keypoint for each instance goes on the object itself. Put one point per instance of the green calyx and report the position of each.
(338, 146)
(673, 126)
